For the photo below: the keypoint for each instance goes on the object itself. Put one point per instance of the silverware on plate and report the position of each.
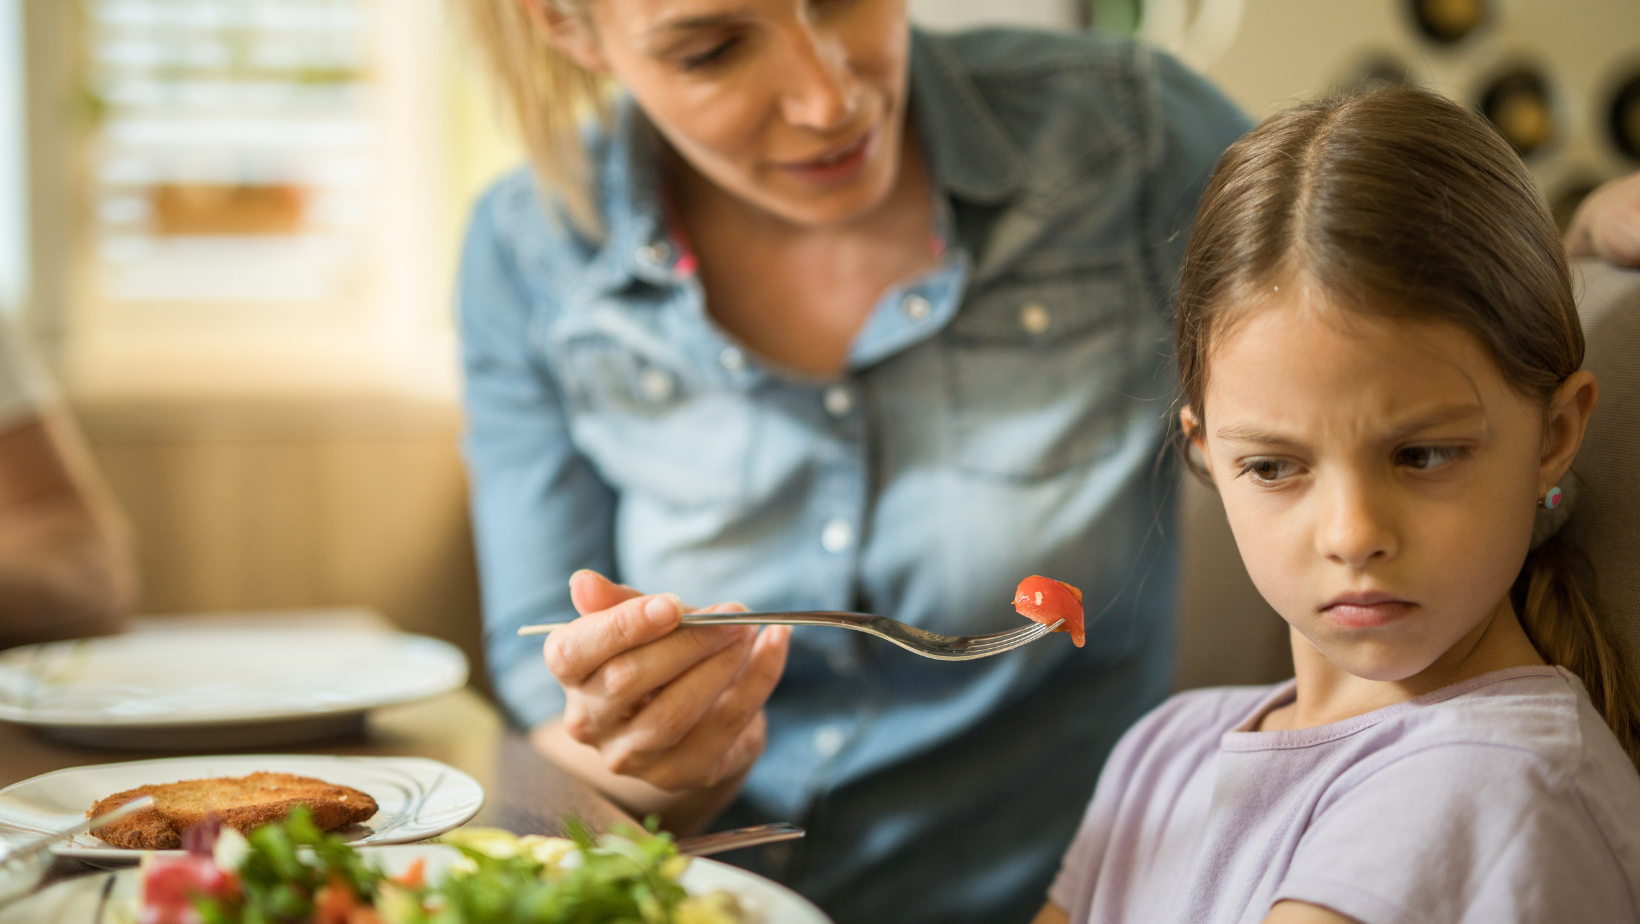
(707, 844)
(22, 865)
(912, 639)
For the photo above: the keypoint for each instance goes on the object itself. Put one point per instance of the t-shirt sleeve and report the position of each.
(1143, 771)
(1458, 833)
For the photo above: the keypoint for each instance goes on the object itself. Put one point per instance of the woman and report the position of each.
(828, 314)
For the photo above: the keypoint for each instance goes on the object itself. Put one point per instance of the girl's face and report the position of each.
(793, 106)
(1380, 476)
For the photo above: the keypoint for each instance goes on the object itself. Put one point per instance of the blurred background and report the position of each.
(231, 226)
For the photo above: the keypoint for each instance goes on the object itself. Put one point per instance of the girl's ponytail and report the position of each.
(1559, 617)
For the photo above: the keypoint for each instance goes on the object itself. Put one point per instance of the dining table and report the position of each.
(524, 792)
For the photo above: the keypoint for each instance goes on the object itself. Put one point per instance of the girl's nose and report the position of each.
(821, 93)
(1355, 529)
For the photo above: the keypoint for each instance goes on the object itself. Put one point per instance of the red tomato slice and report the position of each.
(1047, 601)
(415, 875)
(334, 903)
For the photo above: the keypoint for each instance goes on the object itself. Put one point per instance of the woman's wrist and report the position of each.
(682, 812)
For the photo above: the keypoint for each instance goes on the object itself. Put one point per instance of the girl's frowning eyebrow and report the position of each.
(1444, 415)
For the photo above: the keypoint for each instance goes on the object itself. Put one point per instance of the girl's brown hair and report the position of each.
(1395, 201)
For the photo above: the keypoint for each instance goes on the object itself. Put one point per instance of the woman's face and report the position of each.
(1380, 476)
(793, 106)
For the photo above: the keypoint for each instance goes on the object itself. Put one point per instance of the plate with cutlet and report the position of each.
(367, 800)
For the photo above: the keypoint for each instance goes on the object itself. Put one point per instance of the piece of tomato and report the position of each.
(1047, 601)
(334, 903)
(170, 884)
(414, 875)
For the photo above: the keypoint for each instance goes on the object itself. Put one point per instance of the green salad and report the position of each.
(293, 873)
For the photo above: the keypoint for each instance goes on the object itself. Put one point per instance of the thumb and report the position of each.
(592, 592)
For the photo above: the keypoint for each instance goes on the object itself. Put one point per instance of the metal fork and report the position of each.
(912, 639)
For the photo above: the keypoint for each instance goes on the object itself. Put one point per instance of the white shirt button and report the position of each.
(732, 359)
(1034, 318)
(838, 401)
(917, 308)
(837, 536)
(655, 384)
(655, 254)
(828, 740)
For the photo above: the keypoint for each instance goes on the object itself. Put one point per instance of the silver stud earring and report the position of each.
(1551, 499)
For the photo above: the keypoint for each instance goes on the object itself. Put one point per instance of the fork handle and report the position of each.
(812, 618)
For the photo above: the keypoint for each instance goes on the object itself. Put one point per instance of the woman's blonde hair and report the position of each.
(550, 96)
(1397, 201)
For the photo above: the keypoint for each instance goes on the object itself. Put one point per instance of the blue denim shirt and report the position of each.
(1000, 416)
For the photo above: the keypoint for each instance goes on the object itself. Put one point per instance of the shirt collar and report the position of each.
(630, 202)
(969, 153)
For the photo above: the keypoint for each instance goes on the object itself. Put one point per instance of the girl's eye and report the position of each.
(1425, 458)
(1268, 471)
(708, 57)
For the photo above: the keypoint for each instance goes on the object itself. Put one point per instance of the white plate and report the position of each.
(78, 901)
(202, 687)
(416, 798)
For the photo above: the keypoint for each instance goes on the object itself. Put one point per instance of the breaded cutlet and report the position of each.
(242, 803)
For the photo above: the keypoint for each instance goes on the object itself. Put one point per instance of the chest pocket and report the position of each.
(1048, 365)
(645, 418)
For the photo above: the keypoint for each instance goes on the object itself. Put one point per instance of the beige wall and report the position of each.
(294, 502)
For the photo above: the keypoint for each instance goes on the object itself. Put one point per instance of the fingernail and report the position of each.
(661, 608)
(579, 573)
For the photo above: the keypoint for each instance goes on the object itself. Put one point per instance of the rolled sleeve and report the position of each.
(540, 510)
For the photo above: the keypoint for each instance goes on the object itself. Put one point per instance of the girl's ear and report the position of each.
(1567, 421)
(1195, 436)
(572, 35)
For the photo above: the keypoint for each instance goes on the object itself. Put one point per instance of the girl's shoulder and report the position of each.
(1540, 712)
(1510, 780)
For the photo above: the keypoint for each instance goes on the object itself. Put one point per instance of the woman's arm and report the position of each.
(662, 719)
(1050, 914)
(65, 557)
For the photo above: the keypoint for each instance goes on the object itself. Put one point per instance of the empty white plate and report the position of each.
(416, 798)
(198, 687)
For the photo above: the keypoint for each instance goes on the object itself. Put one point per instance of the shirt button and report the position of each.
(732, 359)
(917, 308)
(838, 401)
(1034, 318)
(828, 740)
(655, 384)
(655, 254)
(837, 536)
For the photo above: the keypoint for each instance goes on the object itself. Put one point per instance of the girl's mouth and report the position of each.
(1365, 610)
(837, 165)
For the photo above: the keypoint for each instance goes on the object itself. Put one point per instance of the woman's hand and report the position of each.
(1607, 224)
(678, 708)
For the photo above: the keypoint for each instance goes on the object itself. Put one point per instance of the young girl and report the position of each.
(1380, 357)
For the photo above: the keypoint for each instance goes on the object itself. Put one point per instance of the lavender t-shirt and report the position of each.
(1501, 799)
